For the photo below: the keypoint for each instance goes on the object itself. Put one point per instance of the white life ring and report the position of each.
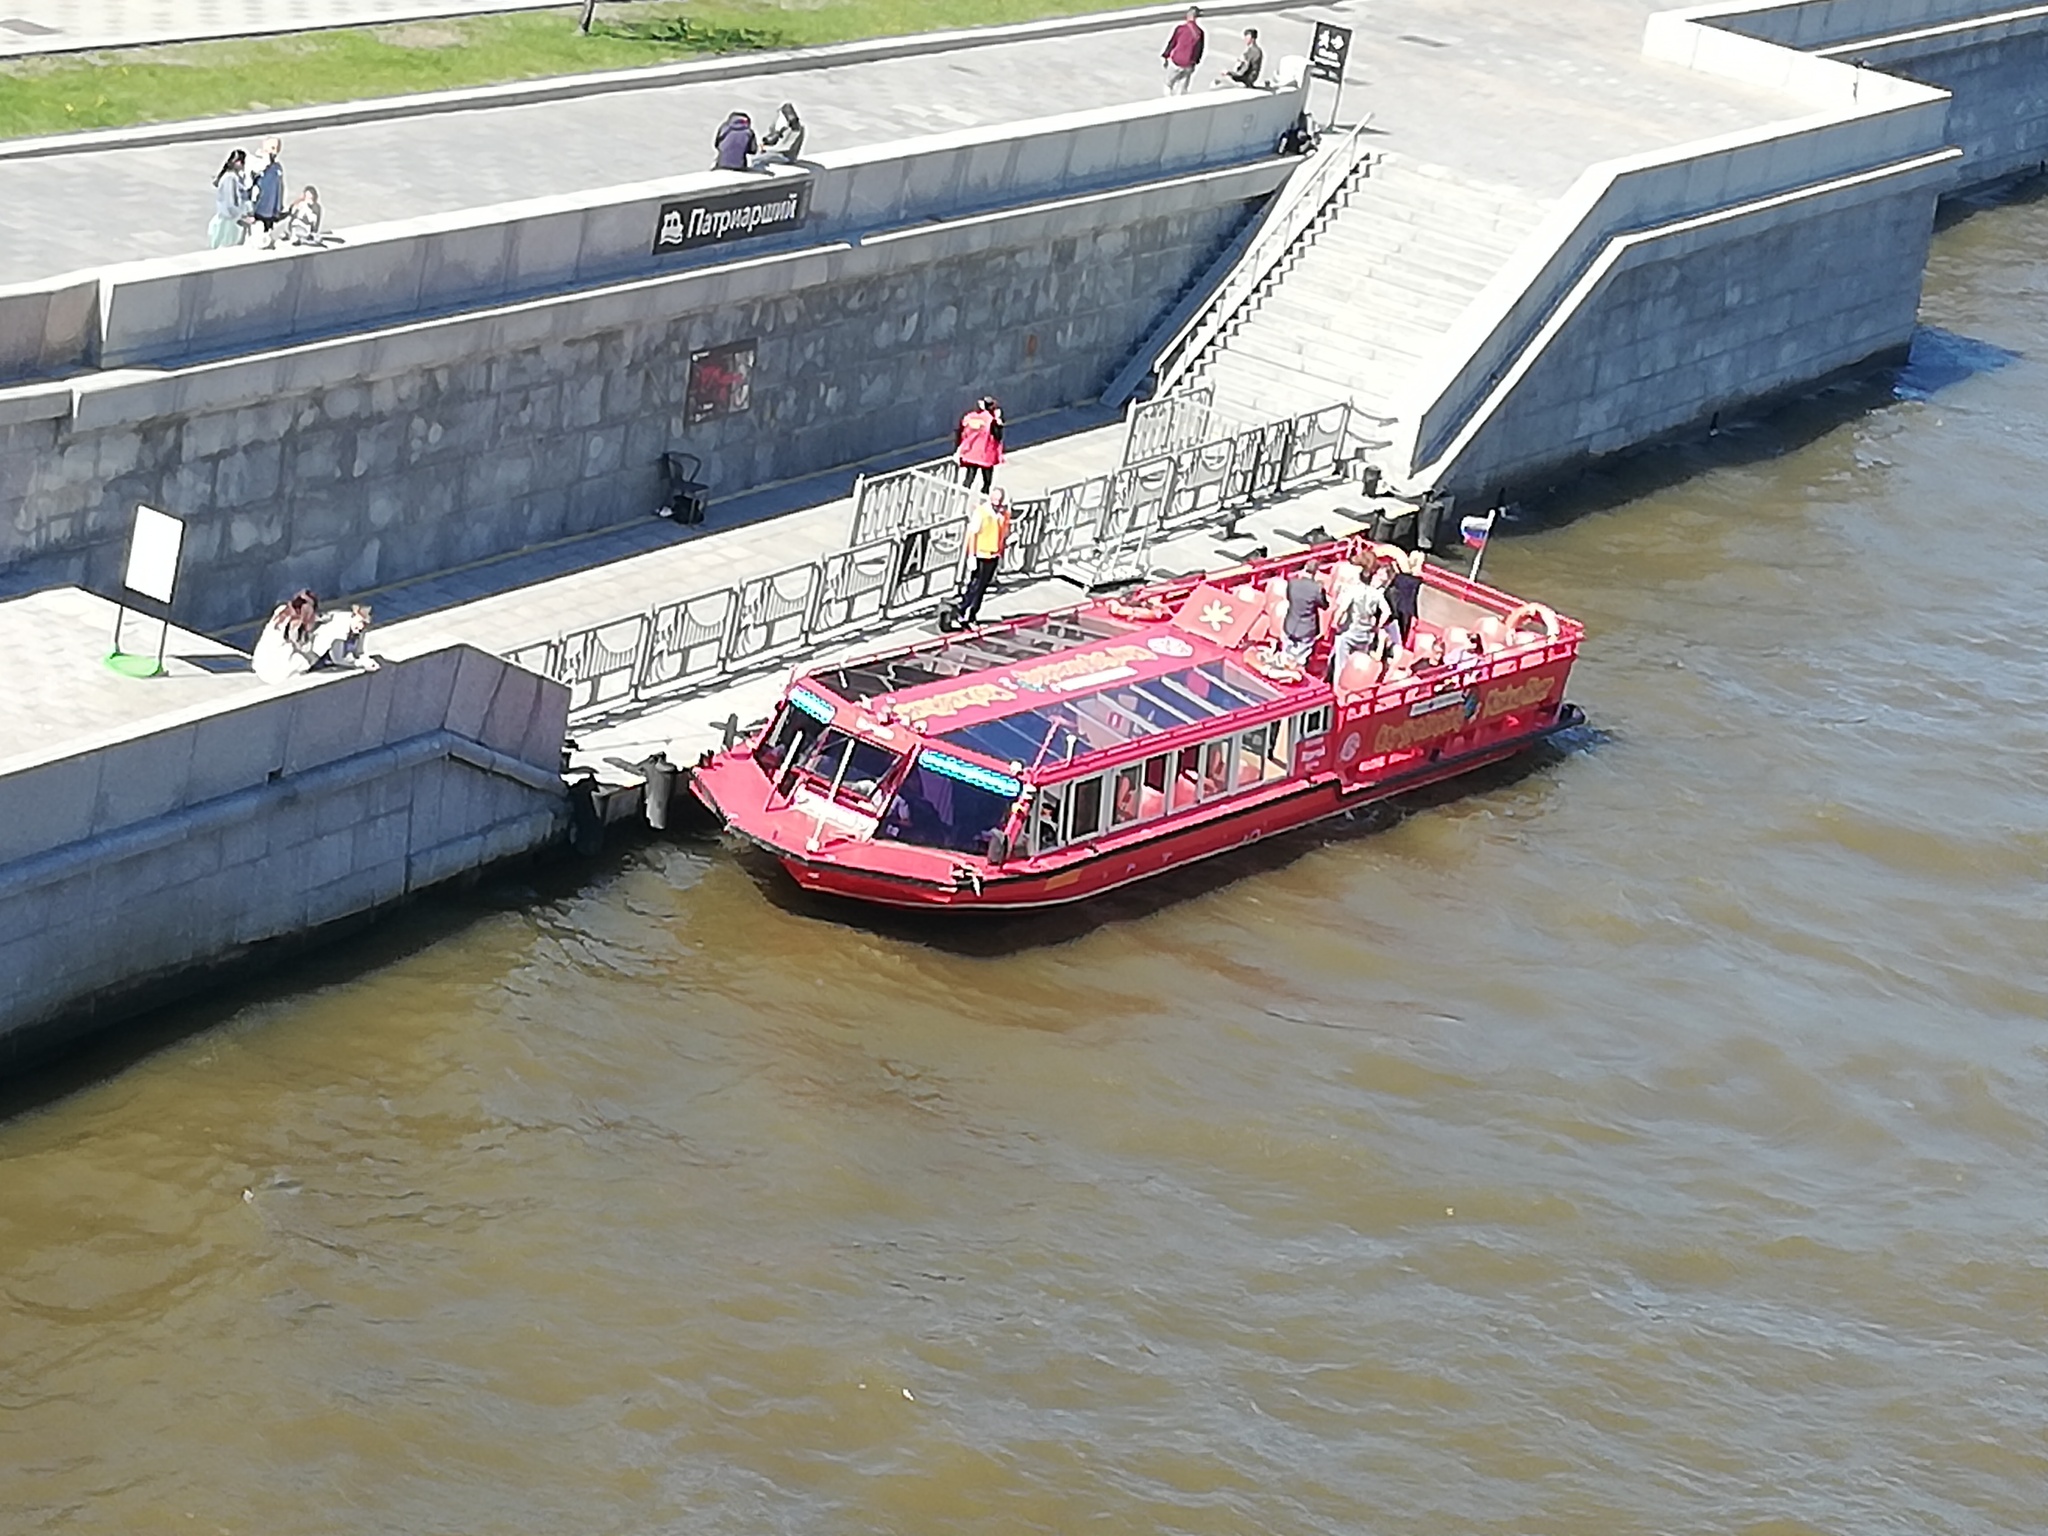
(1513, 622)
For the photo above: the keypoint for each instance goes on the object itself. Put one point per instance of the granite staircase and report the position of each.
(1366, 294)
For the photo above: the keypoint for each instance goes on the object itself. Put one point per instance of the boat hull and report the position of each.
(1302, 805)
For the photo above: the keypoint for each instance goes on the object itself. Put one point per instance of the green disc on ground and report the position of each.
(134, 666)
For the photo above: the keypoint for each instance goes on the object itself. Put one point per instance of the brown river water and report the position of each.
(1652, 1141)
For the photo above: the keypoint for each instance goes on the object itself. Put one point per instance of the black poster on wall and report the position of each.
(719, 218)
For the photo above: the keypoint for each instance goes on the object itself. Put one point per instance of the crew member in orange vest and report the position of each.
(986, 536)
(978, 442)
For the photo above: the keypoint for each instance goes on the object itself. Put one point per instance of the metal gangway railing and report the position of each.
(1096, 532)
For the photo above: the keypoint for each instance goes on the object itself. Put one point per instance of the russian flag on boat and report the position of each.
(1475, 529)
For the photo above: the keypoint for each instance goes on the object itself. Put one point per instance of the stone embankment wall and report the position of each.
(128, 860)
(346, 442)
(1667, 287)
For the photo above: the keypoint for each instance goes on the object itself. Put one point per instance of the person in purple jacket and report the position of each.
(1183, 52)
(735, 142)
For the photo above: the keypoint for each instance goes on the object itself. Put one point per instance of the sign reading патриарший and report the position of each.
(726, 216)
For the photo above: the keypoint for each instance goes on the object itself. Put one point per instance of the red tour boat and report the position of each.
(1051, 758)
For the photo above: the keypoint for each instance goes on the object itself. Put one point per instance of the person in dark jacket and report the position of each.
(735, 142)
(1250, 64)
(268, 202)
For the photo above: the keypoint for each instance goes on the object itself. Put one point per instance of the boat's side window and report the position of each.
(1306, 726)
(1125, 800)
(1219, 764)
(1049, 818)
(1258, 754)
(1158, 774)
(1084, 808)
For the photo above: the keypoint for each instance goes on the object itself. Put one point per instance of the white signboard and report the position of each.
(153, 553)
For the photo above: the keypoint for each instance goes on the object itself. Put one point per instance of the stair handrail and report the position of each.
(1287, 219)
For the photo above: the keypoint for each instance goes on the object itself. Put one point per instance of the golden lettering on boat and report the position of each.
(952, 701)
(1400, 735)
(1046, 673)
(1513, 696)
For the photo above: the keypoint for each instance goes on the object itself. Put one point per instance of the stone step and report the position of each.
(1348, 367)
(1423, 299)
(1479, 220)
(1381, 324)
(1251, 389)
(1455, 263)
(1363, 230)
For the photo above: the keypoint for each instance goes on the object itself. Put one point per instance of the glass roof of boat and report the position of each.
(1046, 635)
(1057, 731)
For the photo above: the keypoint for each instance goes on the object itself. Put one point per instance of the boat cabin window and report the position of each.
(1259, 754)
(857, 767)
(1084, 808)
(944, 802)
(1125, 801)
(1219, 768)
(1048, 826)
(794, 729)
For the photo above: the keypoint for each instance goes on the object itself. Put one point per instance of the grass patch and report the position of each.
(68, 93)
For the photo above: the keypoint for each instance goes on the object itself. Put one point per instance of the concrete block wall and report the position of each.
(348, 463)
(1616, 197)
(1997, 79)
(1987, 54)
(128, 859)
(1705, 315)
(1940, 93)
(214, 304)
(49, 328)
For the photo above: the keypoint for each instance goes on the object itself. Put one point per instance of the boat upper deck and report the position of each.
(1040, 694)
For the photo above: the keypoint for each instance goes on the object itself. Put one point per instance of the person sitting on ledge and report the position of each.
(785, 138)
(1250, 64)
(338, 639)
(302, 221)
(735, 142)
(285, 647)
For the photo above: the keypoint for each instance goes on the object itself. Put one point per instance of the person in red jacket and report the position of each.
(1183, 52)
(978, 442)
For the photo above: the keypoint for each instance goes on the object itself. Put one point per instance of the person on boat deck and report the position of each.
(912, 818)
(1404, 593)
(1461, 647)
(1306, 601)
(1429, 657)
(986, 535)
(1365, 620)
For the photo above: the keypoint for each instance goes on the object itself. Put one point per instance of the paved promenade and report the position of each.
(64, 26)
(1487, 88)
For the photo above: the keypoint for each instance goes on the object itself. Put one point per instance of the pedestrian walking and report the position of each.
(978, 443)
(735, 142)
(230, 224)
(1250, 64)
(987, 535)
(1183, 52)
(267, 205)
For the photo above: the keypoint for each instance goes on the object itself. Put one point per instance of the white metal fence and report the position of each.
(1095, 531)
